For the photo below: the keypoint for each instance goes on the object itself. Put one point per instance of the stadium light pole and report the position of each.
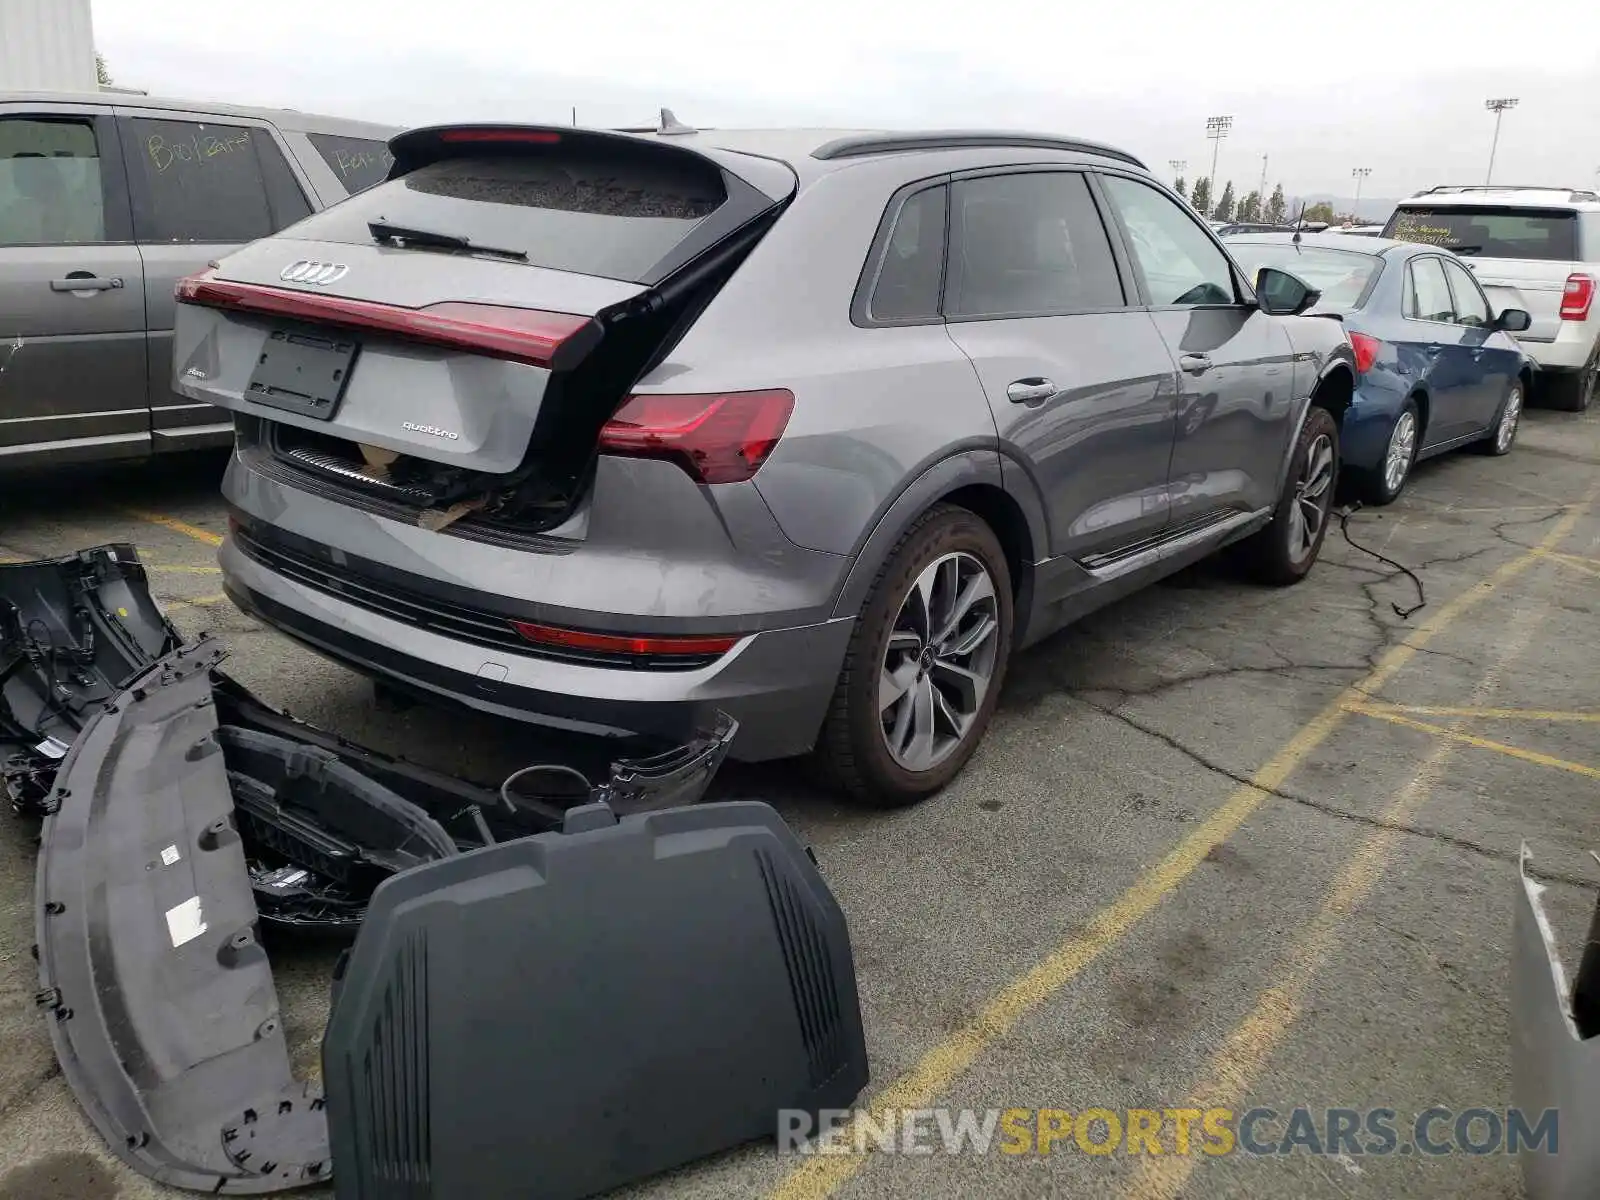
(1498, 108)
(1179, 166)
(1217, 128)
(1358, 174)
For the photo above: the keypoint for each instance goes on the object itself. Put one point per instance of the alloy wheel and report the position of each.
(1402, 448)
(1508, 420)
(939, 661)
(1313, 497)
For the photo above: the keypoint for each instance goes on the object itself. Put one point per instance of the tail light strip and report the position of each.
(522, 335)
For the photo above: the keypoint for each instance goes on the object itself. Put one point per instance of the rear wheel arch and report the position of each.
(1335, 392)
(970, 479)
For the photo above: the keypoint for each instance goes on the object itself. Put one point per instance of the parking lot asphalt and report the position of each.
(1224, 846)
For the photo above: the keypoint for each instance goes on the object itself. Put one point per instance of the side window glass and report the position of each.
(1470, 306)
(913, 261)
(196, 181)
(1430, 294)
(285, 199)
(1179, 263)
(1029, 244)
(51, 192)
(358, 163)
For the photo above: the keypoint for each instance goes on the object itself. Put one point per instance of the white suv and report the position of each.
(1532, 248)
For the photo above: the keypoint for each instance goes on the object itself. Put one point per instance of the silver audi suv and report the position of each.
(607, 428)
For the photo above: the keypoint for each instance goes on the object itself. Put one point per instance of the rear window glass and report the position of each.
(358, 163)
(1342, 276)
(587, 214)
(1529, 233)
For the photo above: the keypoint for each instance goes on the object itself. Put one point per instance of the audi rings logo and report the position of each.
(319, 273)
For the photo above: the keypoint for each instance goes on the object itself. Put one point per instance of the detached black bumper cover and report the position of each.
(160, 1000)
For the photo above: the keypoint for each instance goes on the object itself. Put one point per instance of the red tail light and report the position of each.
(542, 137)
(523, 335)
(718, 437)
(1576, 297)
(1366, 347)
(606, 643)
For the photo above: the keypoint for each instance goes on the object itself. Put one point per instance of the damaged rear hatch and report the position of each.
(461, 333)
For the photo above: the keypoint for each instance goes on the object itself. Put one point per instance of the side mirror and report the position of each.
(1283, 294)
(1513, 320)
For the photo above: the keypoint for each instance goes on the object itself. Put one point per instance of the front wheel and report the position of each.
(1503, 433)
(925, 663)
(1283, 552)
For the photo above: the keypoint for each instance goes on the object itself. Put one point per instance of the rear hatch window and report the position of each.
(1540, 234)
(575, 210)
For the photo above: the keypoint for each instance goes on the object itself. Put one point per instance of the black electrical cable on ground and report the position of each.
(1422, 596)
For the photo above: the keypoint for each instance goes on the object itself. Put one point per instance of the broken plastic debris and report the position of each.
(435, 519)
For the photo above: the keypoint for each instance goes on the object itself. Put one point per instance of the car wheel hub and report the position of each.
(1508, 420)
(939, 661)
(1402, 446)
(1312, 498)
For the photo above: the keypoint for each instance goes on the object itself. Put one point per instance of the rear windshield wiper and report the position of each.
(1464, 249)
(429, 239)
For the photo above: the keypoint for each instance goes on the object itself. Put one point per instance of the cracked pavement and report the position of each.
(1115, 741)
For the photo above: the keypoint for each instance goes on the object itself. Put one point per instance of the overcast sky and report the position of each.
(1396, 86)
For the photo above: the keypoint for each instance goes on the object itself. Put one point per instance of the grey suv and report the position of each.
(604, 428)
(106, 201)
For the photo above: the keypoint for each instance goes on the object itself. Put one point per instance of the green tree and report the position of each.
(1180, 189)
(100, 69)
(1277, 207)
(1250, 207)
(1225, 205)
(1319, 212)
(1200, 197)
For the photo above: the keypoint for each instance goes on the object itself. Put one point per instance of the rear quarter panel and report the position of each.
(874, 407)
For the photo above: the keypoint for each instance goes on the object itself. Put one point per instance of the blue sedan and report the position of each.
(1438, 368)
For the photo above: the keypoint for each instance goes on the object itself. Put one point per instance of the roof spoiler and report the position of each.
(434, 143)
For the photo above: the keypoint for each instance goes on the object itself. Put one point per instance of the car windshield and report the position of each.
(1527, 233)
(1341, 276)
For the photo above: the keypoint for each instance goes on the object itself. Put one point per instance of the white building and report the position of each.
(47, 45)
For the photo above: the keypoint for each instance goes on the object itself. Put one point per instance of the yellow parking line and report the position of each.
(177, 526)
(1477, 714)
(184, 569)
(1469, 739)
(1587, 565)
(193, 601)
(819, 1175)
(1244, 1053)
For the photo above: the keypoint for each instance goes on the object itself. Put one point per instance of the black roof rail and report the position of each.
(858, 145)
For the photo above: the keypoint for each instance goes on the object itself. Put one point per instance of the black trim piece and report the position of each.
(859, 145)
(351, 582)
(1172, 533)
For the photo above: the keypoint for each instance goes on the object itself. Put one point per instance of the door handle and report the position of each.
(85, 283)
(1033, 390)
(1433, 351)
(1195, 364)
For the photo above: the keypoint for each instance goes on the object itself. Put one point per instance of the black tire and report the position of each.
(1574, 391)
(1374, 482)
(1267, 555)
(852, 754)
(1491, 442)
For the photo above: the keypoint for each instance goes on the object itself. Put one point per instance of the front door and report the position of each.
(1448, 374)
(1235, 363)
(72, 320)
(1491, 363)
(1080, 384)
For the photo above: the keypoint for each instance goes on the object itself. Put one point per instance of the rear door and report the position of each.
(72, 333)
(1521, 256)
(201, 187)
(1236, 363)
(1440, 355)
(1496, 361)
(1076, 374)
